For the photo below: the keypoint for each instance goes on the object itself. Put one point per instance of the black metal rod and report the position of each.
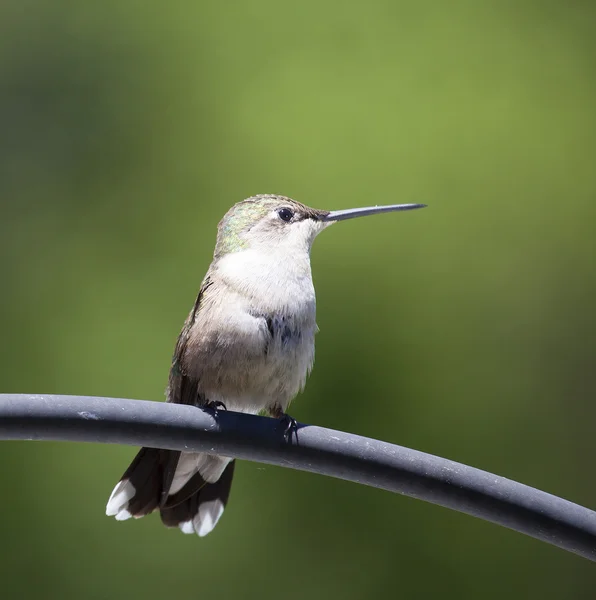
(310, 448)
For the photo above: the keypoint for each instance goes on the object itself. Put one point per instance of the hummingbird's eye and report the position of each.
(285, 214)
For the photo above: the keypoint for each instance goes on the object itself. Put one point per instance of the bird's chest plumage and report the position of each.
(289, 351)
(256, 336)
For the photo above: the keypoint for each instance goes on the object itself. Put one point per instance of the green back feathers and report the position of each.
(238, 219)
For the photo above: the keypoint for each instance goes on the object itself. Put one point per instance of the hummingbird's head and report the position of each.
(269, 222)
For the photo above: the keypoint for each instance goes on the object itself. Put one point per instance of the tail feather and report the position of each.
(200, 510)
(193, 485)
(145, 486)
(138, 491)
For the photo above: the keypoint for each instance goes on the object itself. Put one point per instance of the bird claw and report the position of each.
(289, 426)
(214, 406)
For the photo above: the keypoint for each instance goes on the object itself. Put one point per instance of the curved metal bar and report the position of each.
(310, 448)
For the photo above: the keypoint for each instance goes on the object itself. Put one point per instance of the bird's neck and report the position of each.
(276, 281)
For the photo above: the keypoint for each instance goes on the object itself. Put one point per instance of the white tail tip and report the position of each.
(120, 497)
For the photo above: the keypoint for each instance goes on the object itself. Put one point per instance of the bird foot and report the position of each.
(289, 426)
(214, 406)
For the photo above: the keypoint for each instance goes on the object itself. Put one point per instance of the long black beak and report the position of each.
(352, 213)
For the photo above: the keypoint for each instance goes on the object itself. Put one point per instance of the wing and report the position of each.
(183, 388)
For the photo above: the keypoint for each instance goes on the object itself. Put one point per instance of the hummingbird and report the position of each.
(247, 345)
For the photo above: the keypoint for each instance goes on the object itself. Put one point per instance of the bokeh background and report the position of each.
(466, 330)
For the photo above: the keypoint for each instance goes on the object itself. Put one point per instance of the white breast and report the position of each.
(280, 281)
(264, 347)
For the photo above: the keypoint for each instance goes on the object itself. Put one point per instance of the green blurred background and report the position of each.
(466, 330)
